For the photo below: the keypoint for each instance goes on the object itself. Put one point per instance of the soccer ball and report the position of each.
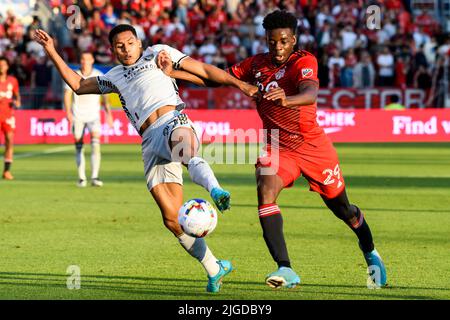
(197, 218)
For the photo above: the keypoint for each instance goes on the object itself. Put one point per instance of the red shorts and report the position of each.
(8, 125)
(316, 160)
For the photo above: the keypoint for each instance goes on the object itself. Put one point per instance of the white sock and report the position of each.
(80, 161)
(201, 174)
(197, 248)
(95, 157)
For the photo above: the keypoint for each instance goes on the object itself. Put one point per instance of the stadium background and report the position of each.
(115, 235)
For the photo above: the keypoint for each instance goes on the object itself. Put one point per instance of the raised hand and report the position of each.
(164, 62)
(44, 39)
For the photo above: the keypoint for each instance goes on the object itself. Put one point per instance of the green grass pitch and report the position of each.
(116, 237)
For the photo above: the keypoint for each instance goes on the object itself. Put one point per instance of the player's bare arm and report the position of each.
(68, 105)
(203, 74)
(16, 101)
(307, 95)
(164, 62)
(73, 80)
(107, 107)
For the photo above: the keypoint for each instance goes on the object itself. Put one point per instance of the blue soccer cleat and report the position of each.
(376, 269)
(221, 198)
(283, 277)
(214, 283)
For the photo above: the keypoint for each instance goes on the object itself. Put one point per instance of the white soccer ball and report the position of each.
(197, 218)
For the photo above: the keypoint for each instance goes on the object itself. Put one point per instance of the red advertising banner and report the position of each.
(417, 125)
(337, 98)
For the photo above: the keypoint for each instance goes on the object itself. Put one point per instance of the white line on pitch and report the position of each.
(47, 151)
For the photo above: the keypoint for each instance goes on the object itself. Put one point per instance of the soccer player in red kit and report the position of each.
(9, 99)
(295, 145)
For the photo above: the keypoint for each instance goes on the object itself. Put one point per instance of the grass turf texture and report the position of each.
(116, 236)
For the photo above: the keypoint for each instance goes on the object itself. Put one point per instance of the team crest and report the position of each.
(280, 74)
(307, 73)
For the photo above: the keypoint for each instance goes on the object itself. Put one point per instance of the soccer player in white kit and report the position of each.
(84, 112)
(150, 99)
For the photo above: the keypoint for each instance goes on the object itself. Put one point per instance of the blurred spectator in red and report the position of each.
(427, 22)
(401, 72)
(229, 50)
(195, 16)
(14, 29)
(96, 21)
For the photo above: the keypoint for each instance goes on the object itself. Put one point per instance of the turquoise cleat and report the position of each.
(215, 283)
(376, 269)
(221, 198)
(283, 277)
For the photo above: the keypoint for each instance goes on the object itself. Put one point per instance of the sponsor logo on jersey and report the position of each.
(257, 75)
(280, 74)
(8, 94)
(307, 72)
(131, 73)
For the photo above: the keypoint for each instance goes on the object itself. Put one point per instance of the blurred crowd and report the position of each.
(406, 51)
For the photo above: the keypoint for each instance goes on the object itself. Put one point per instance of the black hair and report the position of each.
(5, 59)
(394, 98)
(280, 19)
(119, 29)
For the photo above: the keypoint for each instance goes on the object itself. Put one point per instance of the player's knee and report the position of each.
(79, 145)
(95, 140)
(347, 213)
(266, 194)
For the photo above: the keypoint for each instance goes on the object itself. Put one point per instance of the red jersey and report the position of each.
(8, 90)
(297, 124)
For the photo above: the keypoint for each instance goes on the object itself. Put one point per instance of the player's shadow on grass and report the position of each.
(149, 286)
(174, 287)
(290, 206)
(384, 182)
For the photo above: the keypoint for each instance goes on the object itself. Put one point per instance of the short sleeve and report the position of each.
(176, 55)
(105, 85)
(242, 70)
(306, 69)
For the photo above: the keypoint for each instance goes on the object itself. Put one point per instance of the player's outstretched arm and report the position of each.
(73, 80)
(202, 74)
(214, 74)
(164, 62)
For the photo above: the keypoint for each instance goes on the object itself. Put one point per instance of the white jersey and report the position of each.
(86, 107)
(143, 87)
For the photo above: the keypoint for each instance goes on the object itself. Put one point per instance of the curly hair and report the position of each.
(280, 19)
